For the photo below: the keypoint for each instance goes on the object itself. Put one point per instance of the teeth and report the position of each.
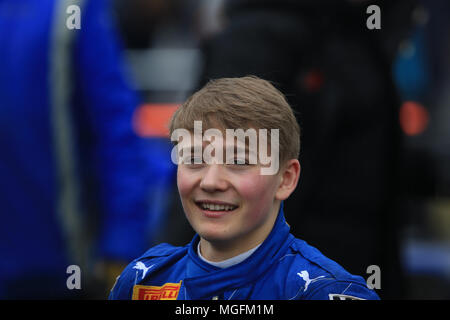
(216, 207)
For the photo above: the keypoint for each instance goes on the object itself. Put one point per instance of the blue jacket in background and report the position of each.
(110, 167)
(282, 268)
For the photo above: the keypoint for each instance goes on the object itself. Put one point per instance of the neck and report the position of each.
(222, 250)
(216, 252)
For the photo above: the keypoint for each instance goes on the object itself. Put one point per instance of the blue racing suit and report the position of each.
(282, 268)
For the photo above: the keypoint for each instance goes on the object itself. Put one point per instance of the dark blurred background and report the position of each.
(373, 106)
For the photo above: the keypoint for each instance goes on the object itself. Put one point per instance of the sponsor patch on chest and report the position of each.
(168, 291)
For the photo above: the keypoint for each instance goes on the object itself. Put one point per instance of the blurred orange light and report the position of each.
(313, 81)
(414, 118)
(152, 120)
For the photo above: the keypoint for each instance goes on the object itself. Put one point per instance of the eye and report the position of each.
(196, 160)
(193, 161)
(239, 162)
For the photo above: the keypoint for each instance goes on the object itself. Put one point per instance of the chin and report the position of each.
(212, 236)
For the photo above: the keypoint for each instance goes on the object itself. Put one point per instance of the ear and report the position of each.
(289, 177)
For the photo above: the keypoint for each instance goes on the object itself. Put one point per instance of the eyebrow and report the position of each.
(191, 149)
(236, 148)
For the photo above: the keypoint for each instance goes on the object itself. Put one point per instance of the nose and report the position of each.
(214, 179)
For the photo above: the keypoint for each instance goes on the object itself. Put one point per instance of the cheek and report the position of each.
(256, 186)
(185, 187)
(184, 182)
(258, 192)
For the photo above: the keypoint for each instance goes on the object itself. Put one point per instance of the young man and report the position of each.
(232, 192)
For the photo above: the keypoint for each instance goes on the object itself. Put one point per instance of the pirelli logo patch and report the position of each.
(168, 291)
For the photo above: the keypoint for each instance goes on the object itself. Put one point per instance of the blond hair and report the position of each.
(246, 102)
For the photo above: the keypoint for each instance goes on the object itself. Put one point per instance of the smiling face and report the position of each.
(231, 205)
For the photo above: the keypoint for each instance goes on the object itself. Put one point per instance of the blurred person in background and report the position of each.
(160, 38)
(336, 74)
(422, 70)
(75, 178)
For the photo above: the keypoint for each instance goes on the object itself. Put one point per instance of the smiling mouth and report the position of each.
(215, 206)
